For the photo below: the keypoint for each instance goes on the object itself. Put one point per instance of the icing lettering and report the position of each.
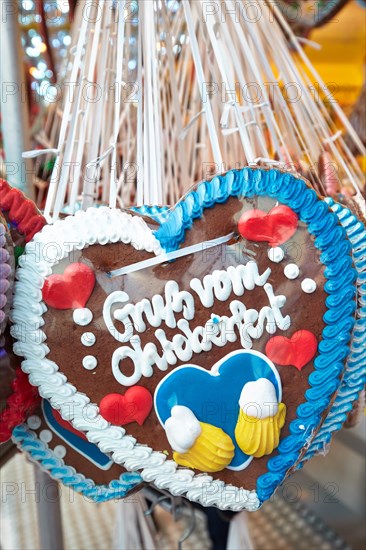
(243, 324)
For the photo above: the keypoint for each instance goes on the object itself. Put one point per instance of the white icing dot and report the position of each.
(34, 422)
(276, 254)
(291, 271)
(46, 436)
(82, 316)
(60, 451)
(308, 286)
(88, 339)
(90, 362)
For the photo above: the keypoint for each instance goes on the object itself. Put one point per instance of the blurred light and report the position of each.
(41, 66)
(49, 73)
(42, 47)
(173, 5)
(27, 5)
(132, 64)
(36, 73)
(32, 52)
(51, 92)
(44, 88)
(63, 5)
(67, 40)
(56, 42)
(36, 40)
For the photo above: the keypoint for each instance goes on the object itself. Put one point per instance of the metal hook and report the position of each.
(155, 503)
(191, 527)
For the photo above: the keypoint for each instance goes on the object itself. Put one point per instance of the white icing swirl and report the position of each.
(291, 271)
(182, 429)
(258, 399)
(82, 316)
(308, 286)
(90, 362)
(34, 422)
(46, 436)
(88, 339)
(276, 254)
(60, 451)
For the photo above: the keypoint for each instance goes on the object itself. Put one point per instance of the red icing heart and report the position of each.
(70, 290)
(277, 226)
(297, 350)
(134, 406)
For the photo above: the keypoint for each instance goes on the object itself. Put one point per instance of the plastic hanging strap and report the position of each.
(166, 257)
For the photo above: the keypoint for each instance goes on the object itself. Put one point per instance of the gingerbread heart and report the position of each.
(196, 294)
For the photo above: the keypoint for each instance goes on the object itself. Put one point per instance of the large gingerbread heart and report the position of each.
(195, 297)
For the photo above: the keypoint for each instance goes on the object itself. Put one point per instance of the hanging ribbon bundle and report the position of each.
(174, 92)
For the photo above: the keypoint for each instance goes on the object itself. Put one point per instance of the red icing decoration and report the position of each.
(65, 424)
(21, 211)
(70, 290)
(297, 350)
(276, 227)
(20, 404)
(134, 406)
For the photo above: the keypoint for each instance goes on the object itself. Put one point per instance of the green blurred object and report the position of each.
(18, 251)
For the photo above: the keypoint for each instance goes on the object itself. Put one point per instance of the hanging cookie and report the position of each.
(196, 314)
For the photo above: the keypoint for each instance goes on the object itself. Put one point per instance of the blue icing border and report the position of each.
(354, 378)
(334, 247)
(27, 441)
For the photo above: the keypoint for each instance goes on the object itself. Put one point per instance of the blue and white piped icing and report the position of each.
(329, 238)
(53, 462)
(354, 378)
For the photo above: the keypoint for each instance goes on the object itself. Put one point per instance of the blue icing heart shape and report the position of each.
(213, 396)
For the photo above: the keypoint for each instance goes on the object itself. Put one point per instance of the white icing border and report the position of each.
(51, 245)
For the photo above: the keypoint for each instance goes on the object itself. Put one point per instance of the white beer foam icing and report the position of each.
(258, 399)
(182, 429)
